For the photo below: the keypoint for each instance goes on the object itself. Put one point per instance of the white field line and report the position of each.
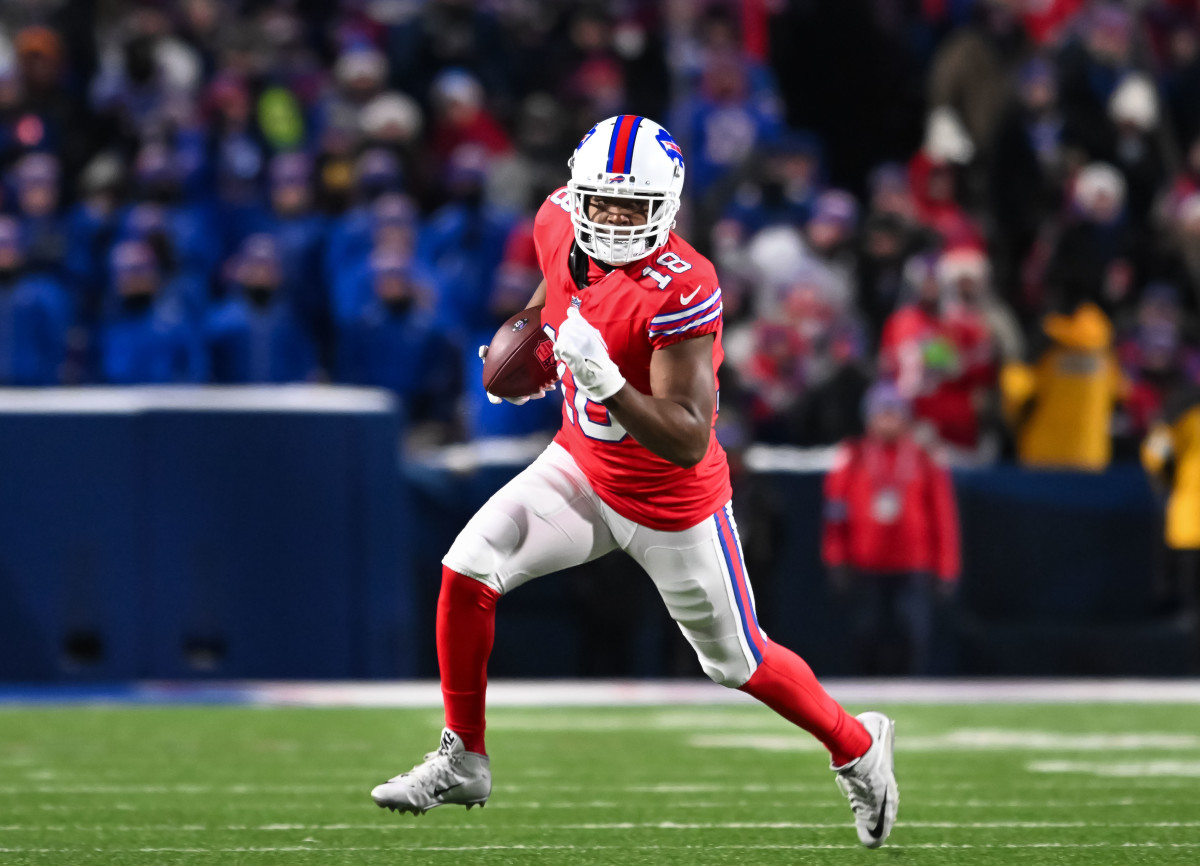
(503, 791)
(837, 804)
(647, 693)
(833, 803)
(1097, 784)
(412, 827)
(293, 849)
(968, 740)
(20, 790)
(1140, 769)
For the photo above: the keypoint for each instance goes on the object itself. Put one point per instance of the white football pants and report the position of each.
(549, 518)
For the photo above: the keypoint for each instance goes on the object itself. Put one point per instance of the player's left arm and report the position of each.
(674, 421)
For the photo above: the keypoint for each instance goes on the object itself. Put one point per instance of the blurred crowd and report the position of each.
(278, 191)
(1026, 276)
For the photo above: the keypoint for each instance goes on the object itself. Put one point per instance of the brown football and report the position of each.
(520, 359)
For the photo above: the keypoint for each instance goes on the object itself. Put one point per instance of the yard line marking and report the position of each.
(1188, 769)
(464, 848)
(178, 789)
(1115, 781)
(616, 825)
(968, 740)
(811, 825)
(833, 803)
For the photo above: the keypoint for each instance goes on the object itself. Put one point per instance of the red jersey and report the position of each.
(889, 509)
(669, 296)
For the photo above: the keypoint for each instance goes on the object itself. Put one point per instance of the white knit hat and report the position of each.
(392, 111)
(946, 139)
(1096, 179)
(1135, 101)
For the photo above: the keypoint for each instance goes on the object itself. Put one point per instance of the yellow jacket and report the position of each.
(1171, 453)
(1061, 407)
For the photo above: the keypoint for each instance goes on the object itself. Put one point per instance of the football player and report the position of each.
(635, 314)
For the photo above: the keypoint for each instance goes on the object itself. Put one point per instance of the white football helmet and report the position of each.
(625, 157)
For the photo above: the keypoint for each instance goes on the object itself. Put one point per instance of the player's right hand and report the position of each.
(582, 348)
(516, 401)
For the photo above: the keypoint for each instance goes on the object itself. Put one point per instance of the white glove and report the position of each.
(516, 401)
(582, 349)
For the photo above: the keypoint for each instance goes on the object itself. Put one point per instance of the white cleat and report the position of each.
(449, 776)
(870, 782)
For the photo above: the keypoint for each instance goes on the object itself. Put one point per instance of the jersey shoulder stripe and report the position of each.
(666, 319)
(696, 323)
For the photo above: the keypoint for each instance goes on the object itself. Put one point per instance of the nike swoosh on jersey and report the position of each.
(685, 300)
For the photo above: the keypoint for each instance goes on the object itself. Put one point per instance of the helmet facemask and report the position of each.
(618, 244)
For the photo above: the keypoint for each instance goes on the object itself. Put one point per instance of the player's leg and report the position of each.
(702, 578)
(544, 520)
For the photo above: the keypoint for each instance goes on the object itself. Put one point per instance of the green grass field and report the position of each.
(674, 785)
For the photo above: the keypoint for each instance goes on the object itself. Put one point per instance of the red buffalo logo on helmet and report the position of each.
(668, 144)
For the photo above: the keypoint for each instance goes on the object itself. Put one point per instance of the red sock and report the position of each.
(788, 686)
(466, 627)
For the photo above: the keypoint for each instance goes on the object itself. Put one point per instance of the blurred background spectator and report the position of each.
(986, 213)
(147, 338)
(1171, 455)
(34, 315)
(891, 538)
(254, 336)
(394, 342)
(1061, 408)
(272, 191)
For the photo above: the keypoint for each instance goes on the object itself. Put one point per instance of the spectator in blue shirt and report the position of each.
(724, 123)
(235, 151)
(255, 336)
(464, 241)
(146, 339)
(299, 232)
(91, 224)
(33, 320)
(43, 228)
(185, 286)
(189, 225)
(780, 187)
(393, 233)
(394, 343)
(376, 173)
